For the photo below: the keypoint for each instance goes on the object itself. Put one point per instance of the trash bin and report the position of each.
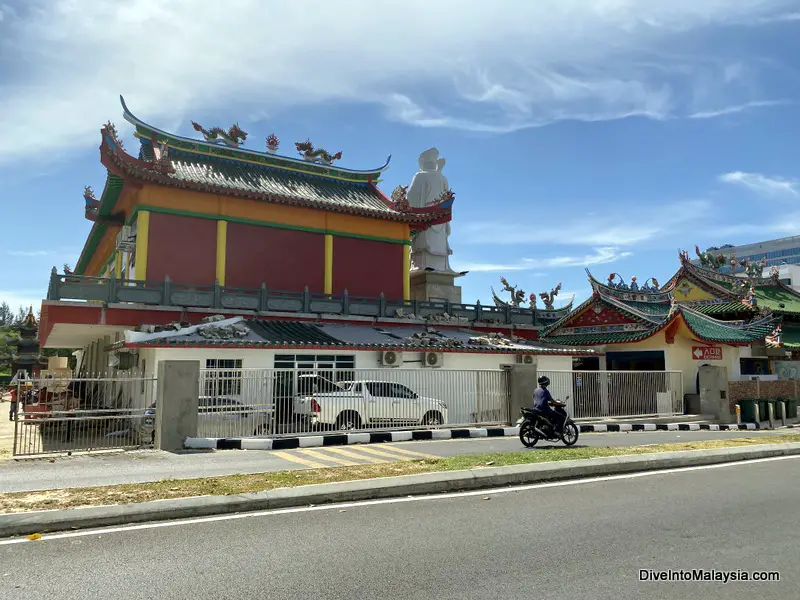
(791, 408)
(763, 410)
(790, 405)
(748, 406)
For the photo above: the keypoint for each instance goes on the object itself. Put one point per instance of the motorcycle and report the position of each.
(533, 427)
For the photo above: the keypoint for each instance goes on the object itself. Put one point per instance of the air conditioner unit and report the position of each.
(526, 359)
(122, 361)
(390, 358)
(433, 359)
(125, 241)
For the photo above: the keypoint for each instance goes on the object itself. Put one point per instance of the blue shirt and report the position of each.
(541, 398)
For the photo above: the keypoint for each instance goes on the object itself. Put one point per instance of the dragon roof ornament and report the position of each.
(235, 136)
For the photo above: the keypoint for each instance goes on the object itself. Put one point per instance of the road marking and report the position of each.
(382, 453)
(299, 459)
(351, 454)
(408, 452)
(319, 455)
(339, 506)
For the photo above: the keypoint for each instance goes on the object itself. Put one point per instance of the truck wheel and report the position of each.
(348, 420)
(433, 419)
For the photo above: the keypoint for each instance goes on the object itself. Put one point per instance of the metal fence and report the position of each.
(275, 402)
(69, 414)
(618, 393)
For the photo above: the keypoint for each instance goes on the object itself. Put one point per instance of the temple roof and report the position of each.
(769, 292)
(256, 333)
(612, 316)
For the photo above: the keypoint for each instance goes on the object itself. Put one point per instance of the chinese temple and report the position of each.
(188, 229)
(700, 316)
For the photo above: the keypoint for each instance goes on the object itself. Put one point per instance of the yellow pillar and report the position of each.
(328, 263)
(118, 265)
(222, 250)
(142, 234)
(407, 272)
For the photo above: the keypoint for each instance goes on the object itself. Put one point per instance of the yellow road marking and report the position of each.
(320, 455)
(383, 453)
(407, 452)
(300, 460)
(357, 456)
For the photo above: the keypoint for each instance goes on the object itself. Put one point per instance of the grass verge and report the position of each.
(239, 484)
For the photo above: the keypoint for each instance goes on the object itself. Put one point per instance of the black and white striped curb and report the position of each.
(344, 439)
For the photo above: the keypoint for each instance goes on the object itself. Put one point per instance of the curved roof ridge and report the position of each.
(134, 120)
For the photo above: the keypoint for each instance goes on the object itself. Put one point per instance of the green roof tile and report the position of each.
(718, 331)
(773, 296)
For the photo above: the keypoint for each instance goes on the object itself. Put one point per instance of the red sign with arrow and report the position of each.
(706, 353)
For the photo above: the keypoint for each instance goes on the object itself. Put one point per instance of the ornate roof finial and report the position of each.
(92, 204)
(273, 141)
(111, 129)
(400, 199)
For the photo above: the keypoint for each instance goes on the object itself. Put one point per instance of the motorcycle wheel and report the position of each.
(528, 435)
(570, 435)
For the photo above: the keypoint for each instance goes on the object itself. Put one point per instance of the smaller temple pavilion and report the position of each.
(27, 356)
(699, 316)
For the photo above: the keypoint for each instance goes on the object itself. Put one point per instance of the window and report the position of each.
(401, 391)
(223, 377)
(378, 389)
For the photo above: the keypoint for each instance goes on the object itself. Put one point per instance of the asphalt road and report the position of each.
(149, 465)
(590, 541)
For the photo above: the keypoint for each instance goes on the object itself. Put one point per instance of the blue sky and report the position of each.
(605, 134)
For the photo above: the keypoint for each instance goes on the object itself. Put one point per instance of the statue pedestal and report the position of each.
(435, 286)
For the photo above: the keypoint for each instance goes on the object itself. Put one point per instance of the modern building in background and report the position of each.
(783, 253)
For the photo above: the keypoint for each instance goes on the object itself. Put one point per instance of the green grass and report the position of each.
(240, 484)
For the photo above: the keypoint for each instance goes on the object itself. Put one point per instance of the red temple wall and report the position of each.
(284, 259)
(185, 248)
(367, 268)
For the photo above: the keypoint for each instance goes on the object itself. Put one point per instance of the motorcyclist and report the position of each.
(543, 402)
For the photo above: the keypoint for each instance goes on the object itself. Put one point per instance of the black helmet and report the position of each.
(544, 381)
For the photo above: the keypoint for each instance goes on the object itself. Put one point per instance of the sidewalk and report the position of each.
(139, 466)
(6, 430)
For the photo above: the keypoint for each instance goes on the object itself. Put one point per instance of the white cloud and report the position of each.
(785, 225)
(22, 298)
(599, 257)
(621, 228)
(29, 253)
(762, 184)
(470, 64)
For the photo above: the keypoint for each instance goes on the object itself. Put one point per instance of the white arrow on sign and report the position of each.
(698, 353)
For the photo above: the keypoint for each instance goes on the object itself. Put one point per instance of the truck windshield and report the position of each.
(314, 384)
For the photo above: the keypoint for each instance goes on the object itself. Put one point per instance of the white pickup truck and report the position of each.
(348, 405)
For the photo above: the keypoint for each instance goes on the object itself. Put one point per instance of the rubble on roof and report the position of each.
(429, 338)
(226, 332)
(491, 339)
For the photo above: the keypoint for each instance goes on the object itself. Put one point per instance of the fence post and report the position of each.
(783, 413)
(382, 305)
(167, 299)
(217, 294)
(346, 303)
(306, 301)
(757, 414)
(176, 406)
(771, 411)
(523, 382)
(111, 297)
(53, 286)
(263, 298)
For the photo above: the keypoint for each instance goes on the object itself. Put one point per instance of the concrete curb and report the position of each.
(390, 487)
(344, 439)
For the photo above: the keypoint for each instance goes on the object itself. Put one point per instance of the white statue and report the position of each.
(430, 249)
